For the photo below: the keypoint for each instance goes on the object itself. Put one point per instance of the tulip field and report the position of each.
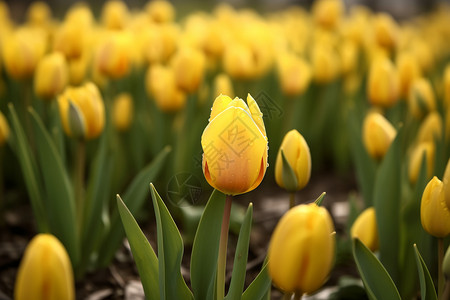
(170, 151)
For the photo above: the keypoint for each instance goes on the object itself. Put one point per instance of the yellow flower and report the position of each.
(421, 98)
(301, 250)
(113, 58)
(159, 42)
(378, 134)
(161, 85)
(189, 67)
(408, 71)
(238, 61)
(447, 87)
(294, 74)
(122, 111)
(327, 13)
(51, 76)
(223, 85)
(78, 68)
(415, 160)
(160, 11)
(385, 30)
(45, 272)
(115, 14)
(365, 229)
(4, 129)
(431, 128)
(349, 56)
(82, 111)
(298, 156)
(234, 146)
(39, 13)
(383, 85)
(434, 212)
(325, 63)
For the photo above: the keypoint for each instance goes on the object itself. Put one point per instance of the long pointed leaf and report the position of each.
(260, 286)
(378, 283)
(427, 289)
(170, 253)
(205, 249)
(240, 258)
(143, 253)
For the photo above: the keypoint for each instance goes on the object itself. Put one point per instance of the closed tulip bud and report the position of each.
(385, 30)
(159, 42)
(71, 39)
(189, 67)
(434, 212)
(115, 14)
(161, 85)
(447, 87)
(378, 134)
(234, 146)
(298, 156)
(424, 53)
(51, 76)
(408, 71)
(294, 74)
(82, 111)
(238, 61)
(431, 128)
(78, 68)
(39, 13)
(4, 129)
(349, 57)
(45, 272)
(421, 98)
(113, 58)
(160, 11)
(415, 161)
(223, 85)
(122, 111)
(383, 85)
(302, 248)
(327, 13)
(325, 63)
(365, 229)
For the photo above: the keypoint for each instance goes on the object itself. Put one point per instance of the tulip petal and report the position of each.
(219, 105)
(256, 113)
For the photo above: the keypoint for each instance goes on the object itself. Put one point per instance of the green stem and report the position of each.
(291, 200)
(287, 296)
(80, 160)
(297, 296)
(440, 272)
(222, 260)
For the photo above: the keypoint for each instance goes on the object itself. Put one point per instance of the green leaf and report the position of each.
(143, 253)
(319, 200)
(205, 249)
(377, 281)
(133, 197)
(240, 258)
(170, 253)
(288, 175)
(386, 200)
(259, 286)
(60, 200)
(427, 289)
(28, 166)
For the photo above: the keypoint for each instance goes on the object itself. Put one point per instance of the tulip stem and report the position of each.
(291, 200)
(440, 272)
(287, 296)
(297, 296)
(222, 260)
(79, 182)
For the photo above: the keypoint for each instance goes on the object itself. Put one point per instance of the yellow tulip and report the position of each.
(408, 71)
(45, 272)
(365, 229)
(431, 128)
(238, 61)
(113, 58)
(51, 76)
(325, 63)
(71, 39)
(415, 160)
(327, 13)
(301, 250)
(160, 11)
(115, 14)
(159, 42)
(82, 111)
(349, 56)
(446, 181)
(122, 111)
(39, 13)
(4, 129)
(421, 98)
(294, 74)
(189, 67)
(234, 146)
(378, 134)
(298, 156)
(383, 85)
(385, 30)
(223, 85)
(447, 87)
(161, 85)
(78, 68)
(434, 212)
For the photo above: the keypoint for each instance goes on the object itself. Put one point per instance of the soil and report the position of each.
(121, 280)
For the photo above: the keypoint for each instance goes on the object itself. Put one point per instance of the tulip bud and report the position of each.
(421, 98)
(4, 129)
(415, 161)
(238, 61)
(385, 30)
(160, 11)
(434, 213)
(71, 39)
(78, 68)
(294, 74)
(298, 156)
(122, 111)
(223, 85)
(383, 85)
(365, 229)
(45, 272)
(327, 13)
(378, 134)
(161, 85)
(301, 250)
(408, 71)
(114, 14)
(349, 57)
(189, 67)
(234, 146)
(325, 63)
(39, 13)
(82, 111)
(51, 76)
(431, 128)
(446, 181)
(113, 58)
